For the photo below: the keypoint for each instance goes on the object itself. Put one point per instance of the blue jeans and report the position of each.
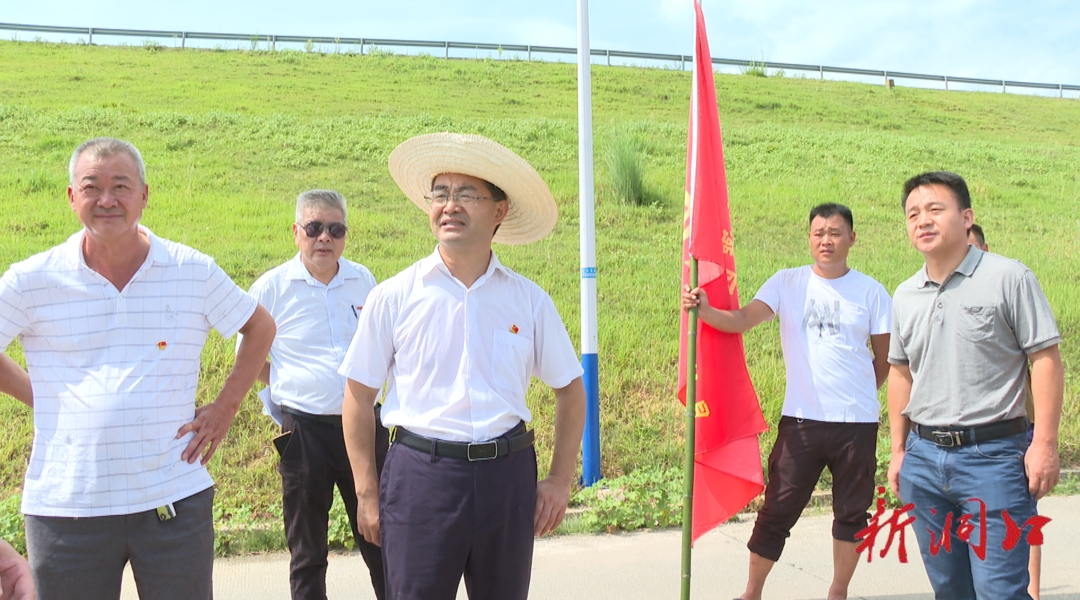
(942, 481)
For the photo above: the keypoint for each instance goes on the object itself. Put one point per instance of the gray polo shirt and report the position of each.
(966, 341)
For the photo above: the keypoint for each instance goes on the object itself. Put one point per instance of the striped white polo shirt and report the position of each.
(114, 374)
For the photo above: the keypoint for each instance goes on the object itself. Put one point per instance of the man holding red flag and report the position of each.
(727, 458)
(828, 313)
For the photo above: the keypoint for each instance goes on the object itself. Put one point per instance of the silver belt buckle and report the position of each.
(482, 451)
(947, 439)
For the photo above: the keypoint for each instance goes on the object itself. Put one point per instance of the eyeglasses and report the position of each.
(463, 199)
(315, 228)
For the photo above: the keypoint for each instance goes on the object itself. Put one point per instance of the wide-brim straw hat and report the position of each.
(532, 212)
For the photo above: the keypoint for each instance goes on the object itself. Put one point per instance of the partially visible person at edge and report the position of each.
(316, 299)
(977, 238)
(16, 582)
(112, 323)
(965, 327)
(459, 336)
(834, 328)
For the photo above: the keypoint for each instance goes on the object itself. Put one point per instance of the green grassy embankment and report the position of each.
(231, 137)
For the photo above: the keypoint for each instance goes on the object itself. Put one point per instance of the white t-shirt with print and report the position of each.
(825, 325)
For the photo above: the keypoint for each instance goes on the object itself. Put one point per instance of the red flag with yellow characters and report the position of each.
(727, 462)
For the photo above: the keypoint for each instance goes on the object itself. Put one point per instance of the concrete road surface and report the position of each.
(647, 566)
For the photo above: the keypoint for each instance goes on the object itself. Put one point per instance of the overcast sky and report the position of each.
(1032, 40)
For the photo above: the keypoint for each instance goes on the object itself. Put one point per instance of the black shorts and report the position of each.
(803, 449)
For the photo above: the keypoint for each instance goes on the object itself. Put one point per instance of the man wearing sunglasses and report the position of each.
(316, 299)
(112, 323)
(459, 336)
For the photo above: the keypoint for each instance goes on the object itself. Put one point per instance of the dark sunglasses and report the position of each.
(315, 228)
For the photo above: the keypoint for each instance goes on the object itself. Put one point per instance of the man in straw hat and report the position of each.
(458, 336)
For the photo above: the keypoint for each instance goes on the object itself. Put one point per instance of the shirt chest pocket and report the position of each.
(511, 357)
(976, 323)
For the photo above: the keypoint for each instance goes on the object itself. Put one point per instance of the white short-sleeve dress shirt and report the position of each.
(315, 323)
(459, 360)
(114, 374)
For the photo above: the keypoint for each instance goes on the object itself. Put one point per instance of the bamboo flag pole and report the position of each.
(691, 425)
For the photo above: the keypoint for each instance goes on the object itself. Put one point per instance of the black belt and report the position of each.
(516, 439)
(334, 420)
(963, 436)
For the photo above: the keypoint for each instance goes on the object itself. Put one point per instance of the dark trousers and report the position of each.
(802, 451)
(441, 518)
(84, 558)
(312, 463)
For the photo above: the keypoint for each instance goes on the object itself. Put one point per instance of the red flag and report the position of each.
(727, 462)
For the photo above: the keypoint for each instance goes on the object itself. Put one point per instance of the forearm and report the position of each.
(899, 395)
(569, 425)
(251, 356)
(881, 373)
(728, 321)
(879, 345)
(15, 381)
(358, 427)
(1047, 390)
(264, 373)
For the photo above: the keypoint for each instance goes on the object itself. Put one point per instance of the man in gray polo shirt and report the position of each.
(964, 328)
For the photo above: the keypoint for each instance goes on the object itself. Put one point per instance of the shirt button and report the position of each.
(939, 305)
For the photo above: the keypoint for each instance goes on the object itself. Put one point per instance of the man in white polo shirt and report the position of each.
(459, 336)
(834, 329)
(316, 299)
(112, 324)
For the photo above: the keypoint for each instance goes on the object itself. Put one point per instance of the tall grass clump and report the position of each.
(627, 174)
(755, 69)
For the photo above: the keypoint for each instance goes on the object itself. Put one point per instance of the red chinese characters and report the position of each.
(869, 534)
(965, 530)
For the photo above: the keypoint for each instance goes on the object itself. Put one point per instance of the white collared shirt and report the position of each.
(459, 359)
(315, 323)
(114, 374)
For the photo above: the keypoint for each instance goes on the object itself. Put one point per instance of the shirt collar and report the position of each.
(434, 262)
(965, 268)
(297, 270)
(73, 248)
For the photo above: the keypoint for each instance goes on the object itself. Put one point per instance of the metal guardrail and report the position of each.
(529, 50)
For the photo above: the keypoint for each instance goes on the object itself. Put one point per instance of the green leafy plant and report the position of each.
(245, 530)
(1069, 485)
(646, 498)
(12, 525)
(340, 534)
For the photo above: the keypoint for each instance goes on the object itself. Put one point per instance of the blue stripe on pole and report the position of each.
(588, 273)
(590, 451)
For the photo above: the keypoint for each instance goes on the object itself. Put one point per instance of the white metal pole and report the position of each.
(589, 361)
